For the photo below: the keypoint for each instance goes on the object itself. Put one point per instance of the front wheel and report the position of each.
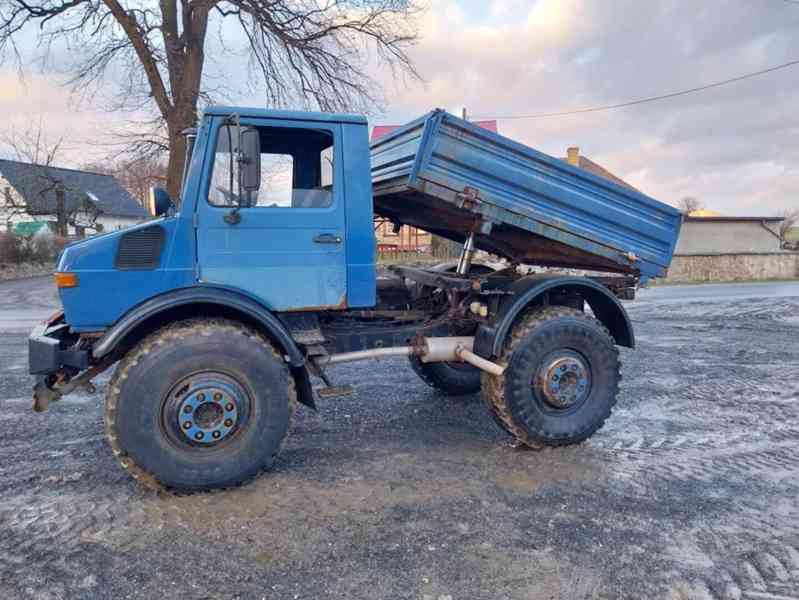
(199, 405)
(561, 378)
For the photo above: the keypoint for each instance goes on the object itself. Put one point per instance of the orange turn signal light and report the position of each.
(66, 280)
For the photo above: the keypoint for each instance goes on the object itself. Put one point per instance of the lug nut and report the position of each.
(187, 409)
(217, 396)
(187, 425)
(216, 435)
(201, 397)
(228, 422)
(199, 435)
(229, 406)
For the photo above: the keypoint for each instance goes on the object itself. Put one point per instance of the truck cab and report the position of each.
(221, 313)
(303, 239)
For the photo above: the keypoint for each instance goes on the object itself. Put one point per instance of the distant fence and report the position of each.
(393, 253)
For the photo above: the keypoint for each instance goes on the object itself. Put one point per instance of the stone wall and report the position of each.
(734, 267)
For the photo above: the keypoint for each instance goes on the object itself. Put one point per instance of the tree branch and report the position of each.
(145, 55)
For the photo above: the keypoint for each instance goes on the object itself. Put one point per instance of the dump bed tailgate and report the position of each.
(448, 176)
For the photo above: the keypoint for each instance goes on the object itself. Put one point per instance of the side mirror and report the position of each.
(250, 160)
(160, 202)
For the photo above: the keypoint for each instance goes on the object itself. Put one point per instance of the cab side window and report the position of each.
(297, 169)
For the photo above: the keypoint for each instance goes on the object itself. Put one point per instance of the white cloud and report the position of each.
(42, 102)
(733, 147)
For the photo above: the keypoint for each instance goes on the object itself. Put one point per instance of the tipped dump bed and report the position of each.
(448, 176)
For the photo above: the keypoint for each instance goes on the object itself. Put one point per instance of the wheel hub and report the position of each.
(564, 381)
(208, 411)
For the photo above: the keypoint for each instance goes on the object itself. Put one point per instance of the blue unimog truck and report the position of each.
(219, 313)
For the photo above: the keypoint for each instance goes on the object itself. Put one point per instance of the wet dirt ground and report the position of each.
(690, 490)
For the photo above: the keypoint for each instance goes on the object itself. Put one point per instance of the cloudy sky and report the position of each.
(735, 148)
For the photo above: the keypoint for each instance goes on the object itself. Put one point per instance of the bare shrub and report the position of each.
(11, 248)
(42, 248)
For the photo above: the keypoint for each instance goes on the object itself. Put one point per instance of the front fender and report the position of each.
(528, 291)
(194, 296)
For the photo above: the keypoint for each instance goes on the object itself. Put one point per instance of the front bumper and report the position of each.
(51, 347)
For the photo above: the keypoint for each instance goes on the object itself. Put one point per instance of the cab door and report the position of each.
(285, 244)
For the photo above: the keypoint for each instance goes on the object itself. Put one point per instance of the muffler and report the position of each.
(429, 350)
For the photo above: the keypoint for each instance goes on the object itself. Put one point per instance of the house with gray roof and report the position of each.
(68, 201)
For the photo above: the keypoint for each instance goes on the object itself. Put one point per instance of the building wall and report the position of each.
(731, 251)
(114, 223)
(727, 237)
(734, 267)
(9, 212)
(107, 223)
(409, 239)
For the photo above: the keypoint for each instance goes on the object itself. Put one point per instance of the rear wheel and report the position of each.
(199, 405)
(455, 379)
(452, 378)
(561, 378)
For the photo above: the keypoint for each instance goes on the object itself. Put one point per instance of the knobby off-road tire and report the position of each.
(198, 405)
(453, 379)
(561, 378)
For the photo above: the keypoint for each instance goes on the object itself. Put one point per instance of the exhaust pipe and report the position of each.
(334, 359)
(430, 350)
(478, 361)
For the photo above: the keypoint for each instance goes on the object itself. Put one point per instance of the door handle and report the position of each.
(326, 238)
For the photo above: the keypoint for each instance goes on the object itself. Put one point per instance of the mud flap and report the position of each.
(304, 388)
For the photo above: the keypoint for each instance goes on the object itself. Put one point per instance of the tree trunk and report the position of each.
(61, 213)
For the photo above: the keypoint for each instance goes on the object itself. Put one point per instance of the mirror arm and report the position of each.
(233, 217)
(246, 162)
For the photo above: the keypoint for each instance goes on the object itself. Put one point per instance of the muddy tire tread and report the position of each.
(427, 373)
(171, 333)
(493, 387)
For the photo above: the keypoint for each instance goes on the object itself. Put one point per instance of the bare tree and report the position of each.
(137, 176)
(30, 145)
(309, 52)
(41, 180)
(689, 204)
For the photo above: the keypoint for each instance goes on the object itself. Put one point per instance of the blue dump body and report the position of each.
(450, 177)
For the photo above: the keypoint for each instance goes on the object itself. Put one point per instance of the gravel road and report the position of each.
(689, 492)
